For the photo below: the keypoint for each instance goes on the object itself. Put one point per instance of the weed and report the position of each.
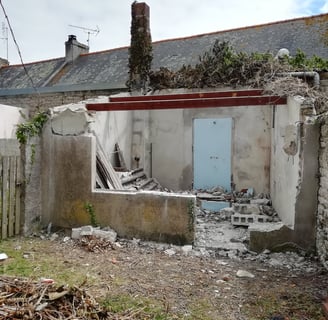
(91, 212)
(191, 213)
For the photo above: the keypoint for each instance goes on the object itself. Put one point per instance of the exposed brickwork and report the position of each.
(322, 220)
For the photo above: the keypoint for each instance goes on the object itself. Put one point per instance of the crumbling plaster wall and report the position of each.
(294, 167)
(284, 166)
(171, 135)
(294, 180)
(68, 176)
(109, 127)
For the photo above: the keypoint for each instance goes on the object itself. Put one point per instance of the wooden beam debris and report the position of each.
(106, 178)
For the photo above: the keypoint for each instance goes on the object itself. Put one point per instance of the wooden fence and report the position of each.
(10, 194)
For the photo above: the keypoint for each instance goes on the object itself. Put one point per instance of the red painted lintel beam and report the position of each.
(188, 103)
(194, 95)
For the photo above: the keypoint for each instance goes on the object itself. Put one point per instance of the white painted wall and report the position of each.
(284, 167)
(171, 136)
(9, 118)
(112, 127)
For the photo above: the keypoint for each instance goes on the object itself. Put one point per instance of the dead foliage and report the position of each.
(95, 244)
(222, 66)
(26, 299)
(292, 86)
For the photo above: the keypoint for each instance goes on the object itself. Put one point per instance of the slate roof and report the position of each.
(109, 69)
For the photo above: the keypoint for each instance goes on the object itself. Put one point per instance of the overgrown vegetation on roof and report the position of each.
(222, 65)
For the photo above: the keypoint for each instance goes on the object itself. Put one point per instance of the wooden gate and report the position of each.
(10, 193)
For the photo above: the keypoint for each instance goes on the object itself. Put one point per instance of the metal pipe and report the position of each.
(315, 75)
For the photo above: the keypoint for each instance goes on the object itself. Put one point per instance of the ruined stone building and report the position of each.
(164, 132)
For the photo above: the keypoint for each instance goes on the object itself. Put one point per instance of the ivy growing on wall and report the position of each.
(140, 51)
(31, 128)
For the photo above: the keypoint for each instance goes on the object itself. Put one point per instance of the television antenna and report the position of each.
(87, 30)
(5, 37)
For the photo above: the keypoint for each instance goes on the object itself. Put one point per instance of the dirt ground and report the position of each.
(181, 285)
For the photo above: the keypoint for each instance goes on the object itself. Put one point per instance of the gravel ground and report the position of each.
(187, 283)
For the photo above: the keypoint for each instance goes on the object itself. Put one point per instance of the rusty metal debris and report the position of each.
(27, 299)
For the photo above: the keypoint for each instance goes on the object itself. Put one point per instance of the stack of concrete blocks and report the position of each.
(245, 214)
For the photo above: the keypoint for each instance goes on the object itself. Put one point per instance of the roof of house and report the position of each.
(109, 69)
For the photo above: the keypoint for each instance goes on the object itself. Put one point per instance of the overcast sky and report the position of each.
(42, 26)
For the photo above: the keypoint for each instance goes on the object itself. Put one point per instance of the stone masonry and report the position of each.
(322, 219)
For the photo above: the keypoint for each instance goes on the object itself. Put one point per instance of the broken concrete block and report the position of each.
(244, 208)
(170, 252)
(268, 236)
(75, 233)
(86, 231)
(70, 122)
(263, 202)
(186, 249)
(107, 233)
(244, 274)
(110, 235)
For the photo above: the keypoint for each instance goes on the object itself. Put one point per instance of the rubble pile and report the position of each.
(27, 299)
(94, 239)
(242, 208)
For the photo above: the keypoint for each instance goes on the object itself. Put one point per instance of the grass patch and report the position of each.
(140, 308)
(293, 305)
(202, 310)
(26, 260)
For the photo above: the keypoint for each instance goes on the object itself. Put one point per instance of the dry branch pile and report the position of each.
(94, 244)
(26, 299)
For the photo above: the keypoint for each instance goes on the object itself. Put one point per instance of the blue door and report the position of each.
(212, 153)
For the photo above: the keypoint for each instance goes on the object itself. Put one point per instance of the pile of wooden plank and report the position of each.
(107, 176)
(137, 180)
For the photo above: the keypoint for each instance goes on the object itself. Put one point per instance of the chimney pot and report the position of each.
(73, 48)
(71, 37)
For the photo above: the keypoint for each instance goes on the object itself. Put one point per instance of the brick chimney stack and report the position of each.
(140, 12)
(141, 47)
(73, 48)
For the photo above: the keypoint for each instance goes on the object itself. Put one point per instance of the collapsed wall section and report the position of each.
(68, 180)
